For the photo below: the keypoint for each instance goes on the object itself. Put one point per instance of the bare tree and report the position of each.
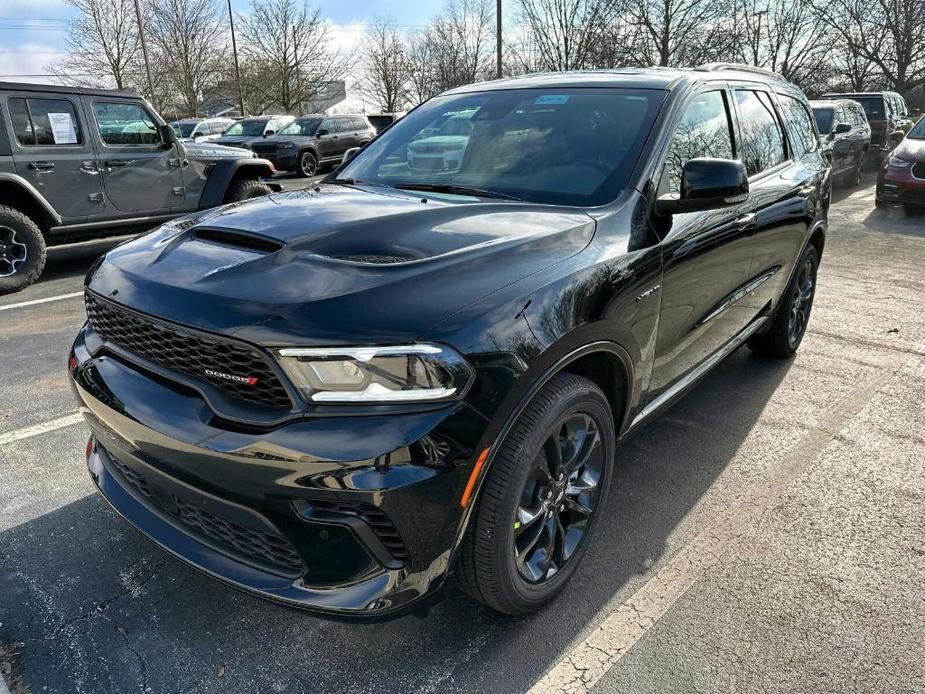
(384, 73)
(564, 34)
(190, 45)
(461, 41)
(287, 53)
(422, 80)
(680, 32)
(887, 34)
(103, 45)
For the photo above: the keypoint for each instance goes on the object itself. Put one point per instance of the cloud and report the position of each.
(28, 63)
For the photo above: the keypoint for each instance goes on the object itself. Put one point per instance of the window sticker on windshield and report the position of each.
(551, 99)
(62, 128)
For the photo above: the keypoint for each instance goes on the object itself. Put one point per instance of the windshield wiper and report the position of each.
(455, 189)
(358, 182)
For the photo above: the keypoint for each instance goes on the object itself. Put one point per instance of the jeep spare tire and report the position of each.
(22, 250)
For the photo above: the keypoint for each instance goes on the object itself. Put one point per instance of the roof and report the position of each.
(639, 78)
(852, 95)
(62, 89)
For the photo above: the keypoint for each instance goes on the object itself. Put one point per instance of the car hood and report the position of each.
(210, 151)
(350, 265)
(237, 140)
(911, 150)
(286, 139)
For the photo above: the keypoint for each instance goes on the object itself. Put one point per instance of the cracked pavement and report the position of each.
(767, 534)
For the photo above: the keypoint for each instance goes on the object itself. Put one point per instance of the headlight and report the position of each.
(898, 163)
(394, 374)
(288, 145)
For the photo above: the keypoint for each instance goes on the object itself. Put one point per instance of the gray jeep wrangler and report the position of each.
(78, 163)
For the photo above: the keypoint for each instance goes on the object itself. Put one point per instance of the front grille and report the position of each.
(378, 521)
(190, 354)
(262, 150)
(918, 170)
(269, 551)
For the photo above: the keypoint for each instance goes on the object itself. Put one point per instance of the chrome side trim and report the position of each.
(700, 370)
(738, 294)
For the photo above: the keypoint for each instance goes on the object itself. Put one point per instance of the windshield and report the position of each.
(301, 126)
(556, 146)
(251, 128)
(183, 129)
(824, 119)
(918, 131)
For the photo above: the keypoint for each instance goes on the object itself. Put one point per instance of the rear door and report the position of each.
(842, 149)
(51, 149)
(140, 173)
(706, 255)
(327, 142)
(786, 174)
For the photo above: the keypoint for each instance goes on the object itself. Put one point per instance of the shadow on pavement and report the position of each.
(101, 609)
(74, 259)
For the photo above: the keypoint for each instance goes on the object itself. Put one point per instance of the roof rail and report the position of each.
(741, 67)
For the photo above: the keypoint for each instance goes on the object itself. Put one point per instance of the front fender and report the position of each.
(224, 171)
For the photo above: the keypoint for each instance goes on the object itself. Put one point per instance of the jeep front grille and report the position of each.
(204, 358)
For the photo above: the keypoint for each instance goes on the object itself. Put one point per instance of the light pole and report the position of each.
(144, 50)
(498, 34)
(234, 50)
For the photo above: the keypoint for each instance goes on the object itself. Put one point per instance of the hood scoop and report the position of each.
(237, 239)
(374, 259)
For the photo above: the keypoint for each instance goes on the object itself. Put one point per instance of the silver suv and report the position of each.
(77, 163)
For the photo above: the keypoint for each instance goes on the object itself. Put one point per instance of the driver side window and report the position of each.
(704, 131)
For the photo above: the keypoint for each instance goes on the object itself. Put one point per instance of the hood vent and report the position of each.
(375, 259)
(238, 239)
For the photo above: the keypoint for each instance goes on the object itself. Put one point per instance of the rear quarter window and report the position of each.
(762, 137)
(44, 122)
(800, 123)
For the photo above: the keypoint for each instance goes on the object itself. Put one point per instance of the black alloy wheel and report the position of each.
(541, 497)
(308, 164)
(13, 252)
(558, 498)
(801, 302)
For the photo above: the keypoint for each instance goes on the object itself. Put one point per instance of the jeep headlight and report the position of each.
(391, 374)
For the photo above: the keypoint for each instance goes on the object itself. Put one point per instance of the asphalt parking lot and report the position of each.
(767, 534)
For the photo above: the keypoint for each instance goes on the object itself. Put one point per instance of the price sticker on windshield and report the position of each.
(549, 99)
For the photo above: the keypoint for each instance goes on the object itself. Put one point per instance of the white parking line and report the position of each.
(36, 429)
(581, 667)
(23, 304)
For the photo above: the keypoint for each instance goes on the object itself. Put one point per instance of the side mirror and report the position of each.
(269, 132)
(707, 184)
(897, 136)
(842, 128)
(321, 131)
(350, 154)
(167, 134)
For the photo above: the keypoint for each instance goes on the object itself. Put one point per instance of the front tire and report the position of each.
(246, 190)
(22, 251)
(786, 333)
(547, 485)
(308, 164)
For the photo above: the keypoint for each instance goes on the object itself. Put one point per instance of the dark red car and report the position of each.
(902, 176)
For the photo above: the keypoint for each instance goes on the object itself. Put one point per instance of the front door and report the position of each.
(706, 255)
(52, 151)
(140, 173)
(328, 143)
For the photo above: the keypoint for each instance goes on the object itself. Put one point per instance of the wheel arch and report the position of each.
(19, 194)
(227, 171)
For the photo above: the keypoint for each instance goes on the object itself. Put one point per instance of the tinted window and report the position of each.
(570, 146)
(302, 126)
(918, 131)
(824, 117)
(873, 106)
(125, 124)
(247, 127)
(703, 132)
(801, 125)
(762, 139)
(858, 115)
(44, 122)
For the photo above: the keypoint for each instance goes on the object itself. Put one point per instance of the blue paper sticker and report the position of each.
(552, 99)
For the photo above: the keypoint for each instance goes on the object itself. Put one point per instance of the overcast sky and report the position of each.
(32, 31)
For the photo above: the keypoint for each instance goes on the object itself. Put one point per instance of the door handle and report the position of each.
(115, 163)
(746, 220)
(41, 166)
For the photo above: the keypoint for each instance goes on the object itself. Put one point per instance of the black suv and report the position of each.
(310, 142)
(82, 162)
(845, 137)
(886, 113)
(335, 397)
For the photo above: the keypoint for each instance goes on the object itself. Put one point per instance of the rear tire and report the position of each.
(786, 333)
(531, 492)
(22, 250)
(246, 190)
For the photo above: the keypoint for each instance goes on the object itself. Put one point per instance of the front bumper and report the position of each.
(346, 515)
(901, 185)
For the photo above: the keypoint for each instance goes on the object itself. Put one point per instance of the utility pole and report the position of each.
(497, 34)
(144, 50)
(234, 50)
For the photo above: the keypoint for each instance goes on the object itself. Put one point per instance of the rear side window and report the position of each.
(762, 138)
(703, 132)
(43, 122)
(803, 136)
(125, 124)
